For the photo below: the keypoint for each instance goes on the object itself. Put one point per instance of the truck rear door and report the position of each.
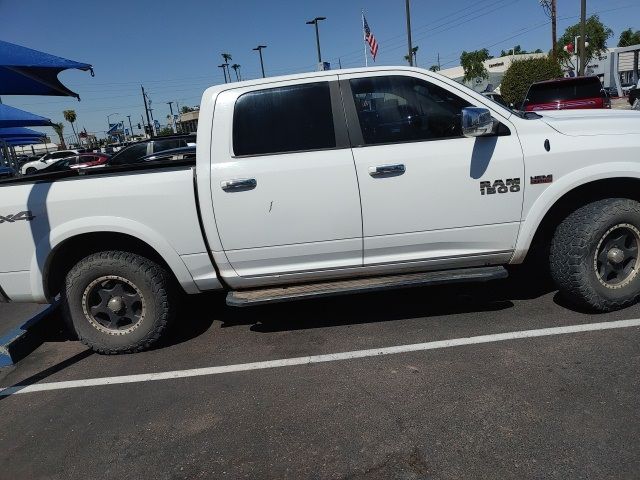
(284, 185)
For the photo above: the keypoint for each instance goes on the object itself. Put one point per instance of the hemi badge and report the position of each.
(541, 179)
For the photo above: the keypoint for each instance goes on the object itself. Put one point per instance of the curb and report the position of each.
(14, 345)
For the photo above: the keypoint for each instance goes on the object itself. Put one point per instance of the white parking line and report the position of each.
(331, 357)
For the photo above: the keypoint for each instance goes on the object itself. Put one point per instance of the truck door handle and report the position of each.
(391, 170)
(238, 184)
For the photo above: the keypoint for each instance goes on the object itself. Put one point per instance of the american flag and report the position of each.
(370, 38)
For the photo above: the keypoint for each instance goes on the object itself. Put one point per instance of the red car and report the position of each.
(85, 160)
(566, 93)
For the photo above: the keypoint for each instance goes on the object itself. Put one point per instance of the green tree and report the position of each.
(628, 37)
(522, 73)
(236, 69)
(227, 58)
(165, 131)
(597, 36)
(434, 68)
(70, 116)
(473, 64)
(517, 50)
(59, 128)
(186, 109)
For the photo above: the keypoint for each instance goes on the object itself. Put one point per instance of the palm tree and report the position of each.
(70, 116)
(236, 69)
(414, 53)
(58, 128)
(227, 58)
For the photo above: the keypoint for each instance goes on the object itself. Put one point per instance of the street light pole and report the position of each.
(408, 9)
(259, 49)
(315, 22)
(224, 70)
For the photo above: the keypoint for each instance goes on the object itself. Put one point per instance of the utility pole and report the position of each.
(130, 127)
(550, 9)
(224, 71)
(259, 49)
(583, 35)
(315, 22)
(173, 120)
(438, 61)
(409, 32)
(146, 110)
(554, 26)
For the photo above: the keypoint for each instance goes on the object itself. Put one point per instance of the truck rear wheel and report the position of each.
(118, 302)
(595, 257)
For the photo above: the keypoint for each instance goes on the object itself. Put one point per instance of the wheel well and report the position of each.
(71, 251)
(579, 196)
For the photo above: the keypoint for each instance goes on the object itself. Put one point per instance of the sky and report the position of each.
(173, 47)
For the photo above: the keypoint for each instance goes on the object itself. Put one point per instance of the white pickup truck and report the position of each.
(326, 183)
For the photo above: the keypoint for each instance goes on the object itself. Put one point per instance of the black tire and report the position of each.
(143, 290)
(586, 263)
(30, 171)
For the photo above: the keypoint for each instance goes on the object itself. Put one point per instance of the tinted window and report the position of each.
(160, 145)
(564, 90)
(285, 119)
(404, 109)
(129, 155)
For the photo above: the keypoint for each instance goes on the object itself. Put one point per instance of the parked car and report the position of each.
(6, 172)
(89, 160)
(566, 94)
(328, 183)
(82, 160)
(44, 161)
(175, 154)
(134, 153)
(634, 97)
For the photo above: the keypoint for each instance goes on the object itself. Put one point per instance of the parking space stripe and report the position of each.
(331, 357)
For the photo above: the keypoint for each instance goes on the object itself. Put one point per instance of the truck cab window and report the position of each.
(283, 119)
(405, 109)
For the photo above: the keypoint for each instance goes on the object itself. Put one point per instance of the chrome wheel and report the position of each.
(616, 259)
(113, 305)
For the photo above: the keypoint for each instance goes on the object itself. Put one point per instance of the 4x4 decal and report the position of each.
(500, 186)
(26, 215)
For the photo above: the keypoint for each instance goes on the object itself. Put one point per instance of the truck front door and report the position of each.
(283, 180)
(428, 193)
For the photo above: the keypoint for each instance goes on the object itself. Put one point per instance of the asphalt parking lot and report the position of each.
(554, 406)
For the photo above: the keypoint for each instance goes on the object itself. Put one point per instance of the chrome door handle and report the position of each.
(238, 184)
(387, 170)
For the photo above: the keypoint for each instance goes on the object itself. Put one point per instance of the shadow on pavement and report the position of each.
(78, 357)
(390, 305)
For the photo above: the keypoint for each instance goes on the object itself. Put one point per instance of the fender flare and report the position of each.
(71, 229)
(565, 184)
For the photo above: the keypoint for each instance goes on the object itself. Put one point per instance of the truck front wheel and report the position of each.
(595, 255)
(118, 302)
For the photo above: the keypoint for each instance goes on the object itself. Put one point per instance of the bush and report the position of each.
(522, 73)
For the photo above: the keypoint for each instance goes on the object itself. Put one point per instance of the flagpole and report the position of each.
(366, 59)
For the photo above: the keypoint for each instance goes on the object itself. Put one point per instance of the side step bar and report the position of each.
(242, 298)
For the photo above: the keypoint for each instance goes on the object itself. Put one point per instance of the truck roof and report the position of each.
(304, 75)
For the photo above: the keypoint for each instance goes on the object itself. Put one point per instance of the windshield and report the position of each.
(563, 91)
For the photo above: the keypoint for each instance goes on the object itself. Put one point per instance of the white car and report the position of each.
(328, 183)
(46, 160)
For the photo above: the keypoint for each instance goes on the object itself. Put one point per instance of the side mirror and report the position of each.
(476, 122)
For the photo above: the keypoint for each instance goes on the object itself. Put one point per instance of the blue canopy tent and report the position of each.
(13, 117)
(13, 137)
(24, 71)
